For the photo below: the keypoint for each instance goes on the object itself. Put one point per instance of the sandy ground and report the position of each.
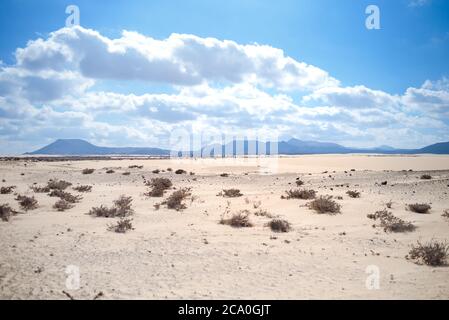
(188, 254)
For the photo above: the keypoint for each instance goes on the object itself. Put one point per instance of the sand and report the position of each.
(187, 254)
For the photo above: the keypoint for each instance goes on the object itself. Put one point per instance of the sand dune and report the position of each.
(187, 254)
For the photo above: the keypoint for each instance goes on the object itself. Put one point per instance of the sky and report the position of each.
(134, 73)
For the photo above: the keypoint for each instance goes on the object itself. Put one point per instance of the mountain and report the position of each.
(241, 147)
(79, 147)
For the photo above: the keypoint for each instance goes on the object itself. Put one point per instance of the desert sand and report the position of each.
(188, 254)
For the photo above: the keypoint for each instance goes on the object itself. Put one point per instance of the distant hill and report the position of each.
(78, 147)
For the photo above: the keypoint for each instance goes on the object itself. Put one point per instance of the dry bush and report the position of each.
(121, 208)
(135, 167)
(6, 212)
(127, 173)
(303, 194)
(433, 253)
(353, 194)
(279, 225)
(426, 177)
(169, 169)
(159, 185)
(445, 214)
(175, 200)
(40, 189)
(110, 171)
(88, 171)
(83, 188)
(224, 175)
(58, 184)
(419, 207)
(27, 203)
(325, 204)
(230, 193)
(156, 171)
(263, 213)
(7, 190)
(180, 171)
(390, 223)
(122, 225)
(299, 182)
(389, 204)
(62, 205)
(238, 220)
(65, 196)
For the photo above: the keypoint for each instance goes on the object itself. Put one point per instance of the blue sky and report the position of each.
(399, 73)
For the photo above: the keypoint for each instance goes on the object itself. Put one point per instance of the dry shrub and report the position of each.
(433, 253)
(62, 205)
(353, 194)
(180, 171)
(159, 185)
(58, 184)
(135, 167)
(426, 177)
(303, 194)
(263, 213)
(27, 203)
(445, 214)
(230, 193)
(122, 225)
(175, 200)
(325, 204)
(279, 225)
(65, 196)
(83, 188)
(110, 171)
(169, 169)
(40, 189)
(238, 220)
(224, 175)
(88, 171)
(390, 223)
(121, 208)
(126, 173)
(299, 182)
(7, 190)
(6, 212)
(156, 171)
(419, 207)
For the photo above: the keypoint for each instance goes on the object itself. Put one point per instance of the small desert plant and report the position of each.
(389, 204)
(58, 184)
(121, 208)
(263, 213)
(62, 205)
(135, 167)
(159, 185)
(27, 203)
(230, 193)
(40, 189)
(353, 194)
(83, 188)
(426, 177)
(224, 175)
(304, 194)
(180, 171)
(169, 169)
(127, 173)
(88, 171)
(279, 225)
(299, 182)
(110, 171)
(419, 207)
(6, 212)
(122, 225)
(445, 214)
(156, 171)
(65, 196)
(390, 223)
(7, 190)
(433, 253)
(238, 220)
(325, 204)
(175, 200)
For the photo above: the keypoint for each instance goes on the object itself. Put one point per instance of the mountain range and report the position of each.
(78, 147)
